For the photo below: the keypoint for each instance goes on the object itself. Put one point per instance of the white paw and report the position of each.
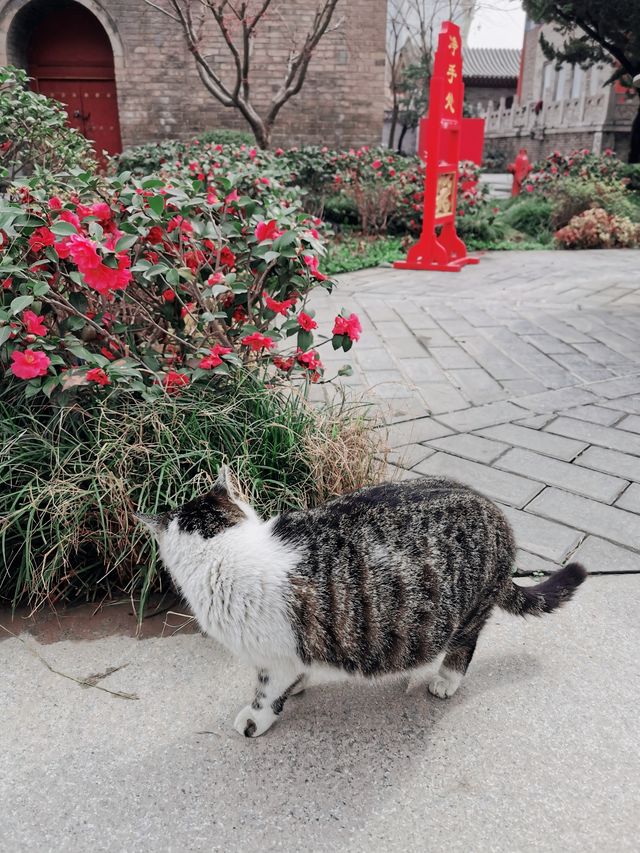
(445, 683)
(252, 723)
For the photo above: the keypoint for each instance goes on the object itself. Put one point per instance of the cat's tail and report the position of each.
(545, 597)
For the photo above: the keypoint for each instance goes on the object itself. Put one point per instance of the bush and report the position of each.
(72, 477)
(34, 136)
(571, 196)
(350, 253)
(597, 229)
(530, 215)
(150, 286)
(582, 164)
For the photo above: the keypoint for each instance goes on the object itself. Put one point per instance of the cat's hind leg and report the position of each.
(272, 691)
(458, 656)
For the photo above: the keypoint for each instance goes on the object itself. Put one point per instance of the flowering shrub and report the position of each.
(604, 168)
(33, 131)
(597, 229)
(152, 284)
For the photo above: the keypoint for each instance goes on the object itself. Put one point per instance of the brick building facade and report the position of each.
(159, 93)
(559, 108)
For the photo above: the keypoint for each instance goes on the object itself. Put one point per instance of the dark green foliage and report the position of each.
(353, 253)
(530, 215)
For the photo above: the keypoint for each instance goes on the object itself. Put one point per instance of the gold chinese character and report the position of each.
(453, 44)
(448, 103)
(452, 74)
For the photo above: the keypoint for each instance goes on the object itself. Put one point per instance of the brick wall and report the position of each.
(160, 93)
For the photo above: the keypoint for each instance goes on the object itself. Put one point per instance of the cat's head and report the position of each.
(207, 515)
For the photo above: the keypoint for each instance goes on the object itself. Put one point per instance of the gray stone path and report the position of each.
(520, 376)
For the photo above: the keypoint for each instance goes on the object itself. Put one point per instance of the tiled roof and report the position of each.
(491, 63)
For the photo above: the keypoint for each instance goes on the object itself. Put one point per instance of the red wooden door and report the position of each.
(70, 59)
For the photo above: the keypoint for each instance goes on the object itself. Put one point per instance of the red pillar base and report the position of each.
(452, 266)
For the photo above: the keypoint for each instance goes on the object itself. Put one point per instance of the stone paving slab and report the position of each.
(537, 750)
(527, 367)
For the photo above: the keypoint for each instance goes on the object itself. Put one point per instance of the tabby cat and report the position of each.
(397, 578)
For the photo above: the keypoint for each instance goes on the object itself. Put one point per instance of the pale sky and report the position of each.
(497, 23)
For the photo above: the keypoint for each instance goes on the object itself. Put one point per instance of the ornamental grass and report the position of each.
(72, 478)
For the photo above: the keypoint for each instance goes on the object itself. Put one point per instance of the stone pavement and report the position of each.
(537, 751)
(521, 377)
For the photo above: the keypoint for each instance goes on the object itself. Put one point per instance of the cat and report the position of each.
(390, 579)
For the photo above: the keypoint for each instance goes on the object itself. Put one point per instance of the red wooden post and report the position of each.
(444, 251)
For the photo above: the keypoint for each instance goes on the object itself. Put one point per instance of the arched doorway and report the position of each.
(69, 56)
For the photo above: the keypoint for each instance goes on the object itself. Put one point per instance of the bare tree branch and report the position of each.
(237, 92)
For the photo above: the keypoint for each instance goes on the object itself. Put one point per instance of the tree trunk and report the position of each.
(403, 133)
(634, 149)
(394, 124)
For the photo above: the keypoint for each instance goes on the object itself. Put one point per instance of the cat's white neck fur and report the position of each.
(236, 584)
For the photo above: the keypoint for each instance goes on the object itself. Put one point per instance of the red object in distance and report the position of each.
(442, 249)
(520, 169)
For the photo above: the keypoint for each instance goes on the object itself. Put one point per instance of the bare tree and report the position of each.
(238, 23)
(412, 32)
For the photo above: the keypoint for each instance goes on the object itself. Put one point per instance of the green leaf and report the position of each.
(345, 370)
(156, 203)
(151, 183)
(5, 334)
(40, 288)
(32, 389)
(347, 343)
(305, 339)
(337, 341)
(79, 301)
(20, 303)
(63, 229)
(126, 242)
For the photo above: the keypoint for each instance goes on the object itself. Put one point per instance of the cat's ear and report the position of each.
(224, 481)
(153, 522)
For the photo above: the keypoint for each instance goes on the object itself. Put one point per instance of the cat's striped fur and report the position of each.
(398, 578)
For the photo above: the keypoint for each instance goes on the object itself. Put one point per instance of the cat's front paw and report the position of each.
(251, 723)
(445, 683)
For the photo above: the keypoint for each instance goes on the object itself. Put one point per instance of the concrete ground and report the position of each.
(537, 751)
(521, 376)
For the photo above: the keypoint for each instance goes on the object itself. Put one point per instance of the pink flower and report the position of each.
(55, 203)
(97, 374)
(71, 217)
(173, 379)
(33, 323)
(312, 262)
(348, 326)
(101, 210)
(267, 231)
(233, 196)
(28, 364)
(83, 252)
(276, 306)
(213, 359)
(256, 342)
(306, 322)
(376, 164)
(215, 278)
(41, 238)
(253, 153)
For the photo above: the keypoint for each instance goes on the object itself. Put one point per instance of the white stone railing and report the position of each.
(585, 111)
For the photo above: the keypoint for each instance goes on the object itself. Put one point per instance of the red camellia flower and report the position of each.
(83, 252)
(310, 360)
(267, 231)
(283, 363)
(97, 375)
(376, 164)
(33, 323)
(55, 203)
(306, 322)
(173, 379)
(168, 295)
(7, 284)
(155, 235)
(312, 263)
(101, 210)
(256, 342)
(28, 364)
(213, 359)
(233, 196)
(215, 278)
(187, 309)
(41, 238)
(227, 258)
(276, 306)
(71, 217)
(348, 326)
